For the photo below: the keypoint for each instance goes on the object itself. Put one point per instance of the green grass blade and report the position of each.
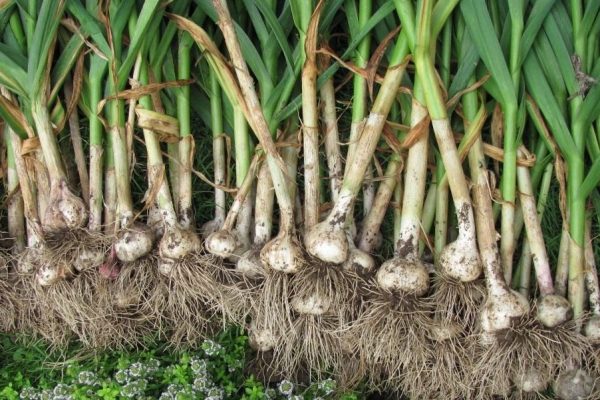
(251, 55)
(276, 31)
(179, 7)
(589, 16)
(119, 15)
(589, 111)
(144, 20)
(330, 11)
(255, 17)
(65, 63)
(565, 26)
(16, 56)
(441, 12)
(561, 53)
(538, 14)
(351, 16)
(13, 117)
(543, 50)
(378, 16)
(12, 75)
(406, 13)
(478, 21)
(468, 63)
(591, 180)
(542, 94)
(89, 26)
(45, 31)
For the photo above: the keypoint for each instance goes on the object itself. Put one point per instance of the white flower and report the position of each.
(61, 390)
(211, 347)
(136, 370)
(134, 389)
(202, 384)
(199, 366)
(121, 376)
(87, 378)
(28, 393)
(285, 387)
(153, 364)
(174, 388)
(327, 386)
(214, 393)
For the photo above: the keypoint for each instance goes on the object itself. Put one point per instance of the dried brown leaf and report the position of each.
(456, 98)
(416, 132)
(497, 132)
(376, 58)
(144, 90)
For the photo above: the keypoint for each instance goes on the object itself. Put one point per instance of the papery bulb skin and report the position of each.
(64, 211)
(134, 242)
(165, 266)
(282, 254)
(592, 329)
(327, 242)
(359, 262)
(47, 275)
(553, 310)
(177, 243)
(261, 339)
(575, 384)
(314, 304)
(211, 227)
(109, 270)
(221, 243)
(446, 330)
(500, 311)
(532, 381)
(460, 260)
(88, 259)
(403, 275)
(250, 264)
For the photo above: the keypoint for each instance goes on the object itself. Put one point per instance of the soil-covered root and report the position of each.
(319, 288)
(27, 309)
(134, 303)
(391, 333)
(74, 304)
(190, 319)
(324, 299)
(263, 363)
(81, 248)
(33, 315)
(312, 347)
(353, 369)
(37, 318)
(8, 295)
(529, 350)
(444, 373)
(456, 300)
(193, 293)
(263, 366)
(272, 309)
(66, 280)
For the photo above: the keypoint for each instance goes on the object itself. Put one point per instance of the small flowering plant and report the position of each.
(215, 371)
